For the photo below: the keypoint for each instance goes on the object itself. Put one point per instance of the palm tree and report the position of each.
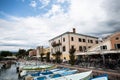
(72, 56)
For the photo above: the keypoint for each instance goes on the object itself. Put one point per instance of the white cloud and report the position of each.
(44, 3)
(84, 15)
(33, 4)
(62, 1)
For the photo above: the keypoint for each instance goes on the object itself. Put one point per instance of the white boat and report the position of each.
(103, 77)
(23, 73)
(78, 76)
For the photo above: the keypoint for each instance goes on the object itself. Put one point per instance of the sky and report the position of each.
(31, 23)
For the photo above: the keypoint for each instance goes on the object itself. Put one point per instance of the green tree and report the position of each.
(57, 56)
(48, 57)
(72, 56)
(5, 53)
(42, 58)
(21, 53)
(27, 52)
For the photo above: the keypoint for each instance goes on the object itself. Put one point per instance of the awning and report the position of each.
(98, 52)
(87, 53)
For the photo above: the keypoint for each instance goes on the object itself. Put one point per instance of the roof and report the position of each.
(112, 35)
(73, 33)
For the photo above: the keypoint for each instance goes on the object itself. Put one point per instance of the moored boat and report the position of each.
(78, 76)
(101, 77)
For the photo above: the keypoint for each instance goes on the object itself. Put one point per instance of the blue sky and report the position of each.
(30, 23)
(25, 8)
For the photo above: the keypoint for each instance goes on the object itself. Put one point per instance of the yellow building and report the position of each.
(68, 40)
(42, 50)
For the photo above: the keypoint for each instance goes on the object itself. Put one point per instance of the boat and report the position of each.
(68, 72)
(77, 76)
(48, 77)
(23, 73)
(37, 67)
(101, 77)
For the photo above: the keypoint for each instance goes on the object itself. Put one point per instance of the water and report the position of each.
(9, 74)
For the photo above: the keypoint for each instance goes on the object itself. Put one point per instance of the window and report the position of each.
(79, 39)
(117, 46)
(84, 47)
(91, 41)
(64, 49)
(117, 38)
(104, 47)
(89, 46)
(72, 46)
(96, 41)
(63, 39)
(59, 41)
(72, 39)
(80, 48)
(88, 41)
(84, 40)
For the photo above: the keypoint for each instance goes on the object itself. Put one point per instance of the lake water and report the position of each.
(9, 74)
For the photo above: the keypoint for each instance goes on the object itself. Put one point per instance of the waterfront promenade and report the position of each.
(112, 74)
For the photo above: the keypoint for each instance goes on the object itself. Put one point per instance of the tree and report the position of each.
(27, 52)
(42, 54)
(48, 57)
(72, 56)
(57, 56)
(21, 53)
(5, 53)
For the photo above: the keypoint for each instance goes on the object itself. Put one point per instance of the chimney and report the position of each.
(74, 31)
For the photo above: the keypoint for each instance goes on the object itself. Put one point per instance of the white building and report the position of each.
(68, 40)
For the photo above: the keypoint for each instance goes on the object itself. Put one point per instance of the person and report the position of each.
(64, 60)
(17, 69)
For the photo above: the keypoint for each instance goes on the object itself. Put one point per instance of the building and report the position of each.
(68, 40)
(41, 50)
(111, 44)
(105, 54)
(32, 53)
(109, 48)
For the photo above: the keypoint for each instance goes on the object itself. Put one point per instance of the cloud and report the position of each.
(33, 4)
(44, 3)
(87, 16)
(112, 8)
(62, 1)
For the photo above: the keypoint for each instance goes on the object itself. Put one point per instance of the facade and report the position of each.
(68, 40)
(110, 44)
(41, 49)
(32, 53)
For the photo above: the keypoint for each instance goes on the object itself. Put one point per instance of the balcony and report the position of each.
(54, 44)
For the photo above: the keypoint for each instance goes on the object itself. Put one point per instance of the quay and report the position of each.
(112, 75)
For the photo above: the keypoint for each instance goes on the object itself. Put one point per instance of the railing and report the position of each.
(54, 44)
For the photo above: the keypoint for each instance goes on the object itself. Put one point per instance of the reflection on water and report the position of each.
(9, 74)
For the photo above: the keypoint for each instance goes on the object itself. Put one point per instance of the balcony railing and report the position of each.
(54, 44)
